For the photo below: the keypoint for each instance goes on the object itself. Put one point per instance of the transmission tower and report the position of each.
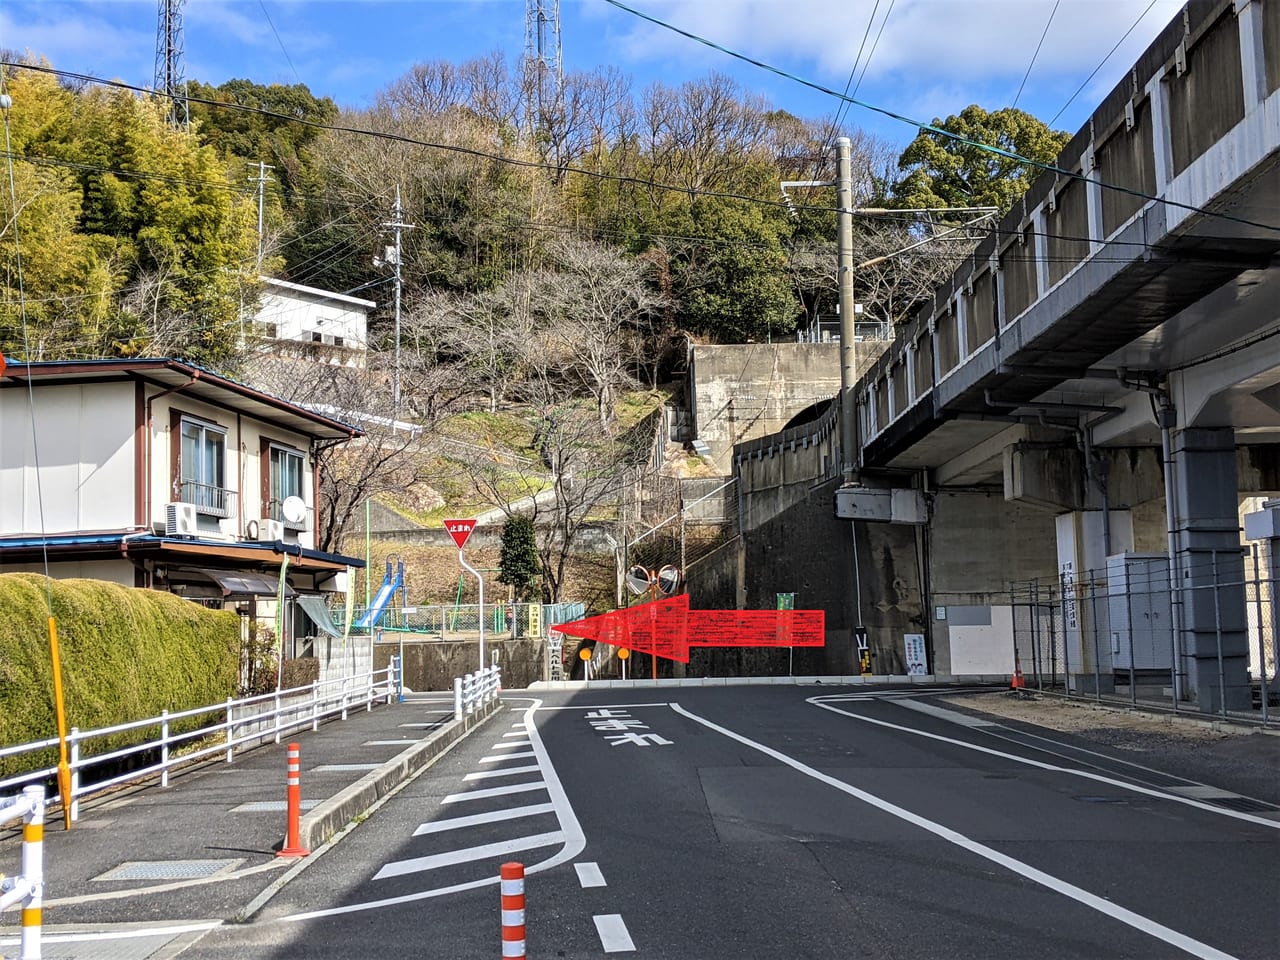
(170, 62)
(543, 63)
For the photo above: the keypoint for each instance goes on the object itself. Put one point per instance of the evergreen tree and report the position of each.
(518, 565)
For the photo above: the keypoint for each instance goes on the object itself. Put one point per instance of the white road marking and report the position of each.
(504, 757)
(1040, 764)
(953, 716)
(494, 816)
(494, 792)
(605, 706)
(389, 743)
(613, 933)
(510, 746)
(574, 840)
(419, 725)
(589, 875)
(398, 868)
(505, 772)
(1079, 894)
(517, 733)
(140, 933)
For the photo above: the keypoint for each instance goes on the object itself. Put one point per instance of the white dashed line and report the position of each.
(589, 875)
(494, 792)
(486, 774)
(514, 744)
(399, 868)
(613, 933)
(504, 757)
(495, 816)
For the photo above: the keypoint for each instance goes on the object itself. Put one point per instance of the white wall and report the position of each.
(984, 648)
(113, 571)
(70, 467)
(297, 316)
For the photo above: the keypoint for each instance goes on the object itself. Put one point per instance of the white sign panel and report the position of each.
(917, 662)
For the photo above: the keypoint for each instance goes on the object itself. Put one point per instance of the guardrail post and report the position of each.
(28, 889)
(231, 740)
(345, 682)
(513, 943)
(73, 743)
(315, 706)
(293, 790)
(164, 748)
(457, 698)
(277, 702)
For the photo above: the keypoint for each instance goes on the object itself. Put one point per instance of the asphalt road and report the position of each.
(781, 822)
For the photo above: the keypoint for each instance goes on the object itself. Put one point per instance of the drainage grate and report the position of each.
(270, 806)
(169, 869)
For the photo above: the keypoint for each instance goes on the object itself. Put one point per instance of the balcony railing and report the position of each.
(208, 499)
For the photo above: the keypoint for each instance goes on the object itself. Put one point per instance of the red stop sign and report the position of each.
(460, 530)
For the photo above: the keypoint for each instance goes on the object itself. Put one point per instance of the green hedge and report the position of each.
(126, 654)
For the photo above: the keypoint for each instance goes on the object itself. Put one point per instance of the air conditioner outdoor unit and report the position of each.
(180, 520)
(270, 530)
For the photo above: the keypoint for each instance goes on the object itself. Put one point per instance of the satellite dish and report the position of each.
(638, 580)
(668, 580)
(294, 509)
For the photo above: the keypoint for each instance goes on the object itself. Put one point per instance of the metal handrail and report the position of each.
(249, 720)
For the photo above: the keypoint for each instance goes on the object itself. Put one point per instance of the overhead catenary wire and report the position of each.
(1102, 62)
(650, 184)
(1036, 53)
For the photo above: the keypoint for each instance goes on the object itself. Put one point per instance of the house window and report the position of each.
(317, 336)
(285, 480)
(202, 467)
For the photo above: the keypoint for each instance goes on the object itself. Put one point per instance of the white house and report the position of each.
(333, 326)
(157, 473)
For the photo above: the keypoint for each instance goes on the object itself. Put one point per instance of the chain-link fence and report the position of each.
(1122, 632)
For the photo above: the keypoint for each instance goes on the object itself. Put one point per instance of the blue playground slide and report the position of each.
(390, 584)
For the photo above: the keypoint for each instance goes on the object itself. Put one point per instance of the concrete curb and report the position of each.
(328, 817)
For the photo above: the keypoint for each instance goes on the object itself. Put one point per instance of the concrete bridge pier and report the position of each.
(1209, 569)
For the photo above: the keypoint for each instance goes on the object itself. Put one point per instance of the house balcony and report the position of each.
(209, 500)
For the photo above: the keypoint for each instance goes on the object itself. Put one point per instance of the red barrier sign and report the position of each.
(668, 628)
(460, 530)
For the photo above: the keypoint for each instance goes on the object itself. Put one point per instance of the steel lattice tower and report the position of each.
(170, 62)
(543, 62)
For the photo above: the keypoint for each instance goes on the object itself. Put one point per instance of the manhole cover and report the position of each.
(168, 869)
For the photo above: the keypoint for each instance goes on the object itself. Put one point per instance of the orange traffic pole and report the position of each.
(513, 947)
(293, 780)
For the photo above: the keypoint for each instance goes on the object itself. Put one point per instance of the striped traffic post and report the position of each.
(28, 889)
(293, 781)
(513, 911)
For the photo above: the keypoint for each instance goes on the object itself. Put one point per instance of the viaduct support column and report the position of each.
(1209, 569)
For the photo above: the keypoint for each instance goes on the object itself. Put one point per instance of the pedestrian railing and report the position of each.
(183, 737)
(28, 887)
(473, 691)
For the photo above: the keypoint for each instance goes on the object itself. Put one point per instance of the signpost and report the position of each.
(461, 530)
(623, 653)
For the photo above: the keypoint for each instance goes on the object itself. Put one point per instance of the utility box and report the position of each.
(1140, 612)
(881, 504)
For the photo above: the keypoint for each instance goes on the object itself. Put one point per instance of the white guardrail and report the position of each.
(473, 691)
(28, 887)
(231, 725)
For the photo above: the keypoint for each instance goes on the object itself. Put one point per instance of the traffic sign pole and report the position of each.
(461, 530)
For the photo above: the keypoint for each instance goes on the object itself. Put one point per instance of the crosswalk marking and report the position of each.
(589, 875)
(398, 868)
(504, 772)
(500, 758)
(613, 933)
(476, 819)
(494, 792)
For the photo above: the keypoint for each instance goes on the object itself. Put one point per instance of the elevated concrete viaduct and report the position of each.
(1100, 378)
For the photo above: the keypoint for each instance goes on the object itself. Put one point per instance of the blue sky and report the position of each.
(931, 58)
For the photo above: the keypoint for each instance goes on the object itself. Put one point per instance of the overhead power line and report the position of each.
(1035, 55)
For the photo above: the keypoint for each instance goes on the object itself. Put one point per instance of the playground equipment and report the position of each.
(393, 581)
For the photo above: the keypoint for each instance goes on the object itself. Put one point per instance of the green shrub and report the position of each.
(126, 654)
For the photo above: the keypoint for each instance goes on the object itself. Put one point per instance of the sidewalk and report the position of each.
(205, 846)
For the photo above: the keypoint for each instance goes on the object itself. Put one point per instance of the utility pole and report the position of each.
(844, 281)
(261, 180)
(397, 225)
